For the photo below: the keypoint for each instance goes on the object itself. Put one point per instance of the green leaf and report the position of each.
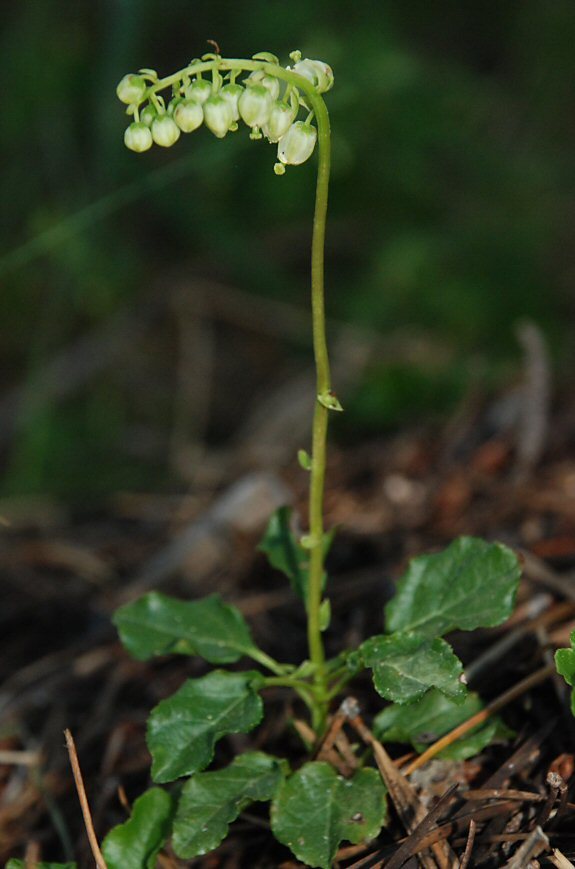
(210, 801)
(135, 844)
(426, 720)
(406, 665)
(316, 809)
(183, 729)
(565, 663)
(20, 864)
(158, 625)
(284, 552)
(470, 584)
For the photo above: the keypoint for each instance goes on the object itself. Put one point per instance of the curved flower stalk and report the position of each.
(211, 92)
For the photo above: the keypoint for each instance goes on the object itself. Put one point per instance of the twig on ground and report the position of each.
(469, 845)
(79, 782)
(20, 758)
(532, 847)
(560, 860)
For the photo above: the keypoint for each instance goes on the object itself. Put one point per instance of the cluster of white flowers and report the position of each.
(268, 105)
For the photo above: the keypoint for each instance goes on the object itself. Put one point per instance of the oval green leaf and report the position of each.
(210, 801)
(406, 665)
(136, 843)
(470, 584)
(157, 624)
(183, 729)
(316, 809)
(426, 720)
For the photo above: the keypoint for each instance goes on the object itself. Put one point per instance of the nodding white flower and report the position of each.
(148, 114)
(199, 90)
(138, 137)
(270, 82)
(218, 115)
(188, 115)
(317, 72)
(298, 143)
(255, 105)
(231, 93)
(280, 120)
(165, 131)
(131, 89)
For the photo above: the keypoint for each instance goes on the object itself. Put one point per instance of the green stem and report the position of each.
(304, 689)
(320, 417)
(319, 704)
(267, 661)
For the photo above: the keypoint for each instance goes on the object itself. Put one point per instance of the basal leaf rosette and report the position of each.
(206, 93)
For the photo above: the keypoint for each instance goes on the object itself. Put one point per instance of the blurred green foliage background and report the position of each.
(451, 214)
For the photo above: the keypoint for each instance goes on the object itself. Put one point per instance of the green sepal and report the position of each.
(157, 624)
(470, 584)
(316, 809)
(267, 56)
(324, 614)
(406, 665)
(210, 801)
(184, 728)
(425, 721)
(135, 844)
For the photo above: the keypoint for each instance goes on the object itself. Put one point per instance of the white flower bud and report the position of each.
(317, 72)
(199, 90)
(138, 138)
(231, 93)
(131, 89)
(148, 114)
(270, 82)
(255, 105)
(188, 115)
(298, 143)
(280, 120)
(165, 131)
(218, 115)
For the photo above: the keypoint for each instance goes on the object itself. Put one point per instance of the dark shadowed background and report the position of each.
(151, 302)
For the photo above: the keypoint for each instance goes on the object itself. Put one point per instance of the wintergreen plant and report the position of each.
(471, 584)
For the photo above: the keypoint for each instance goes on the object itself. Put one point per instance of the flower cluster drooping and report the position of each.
(268, 103)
